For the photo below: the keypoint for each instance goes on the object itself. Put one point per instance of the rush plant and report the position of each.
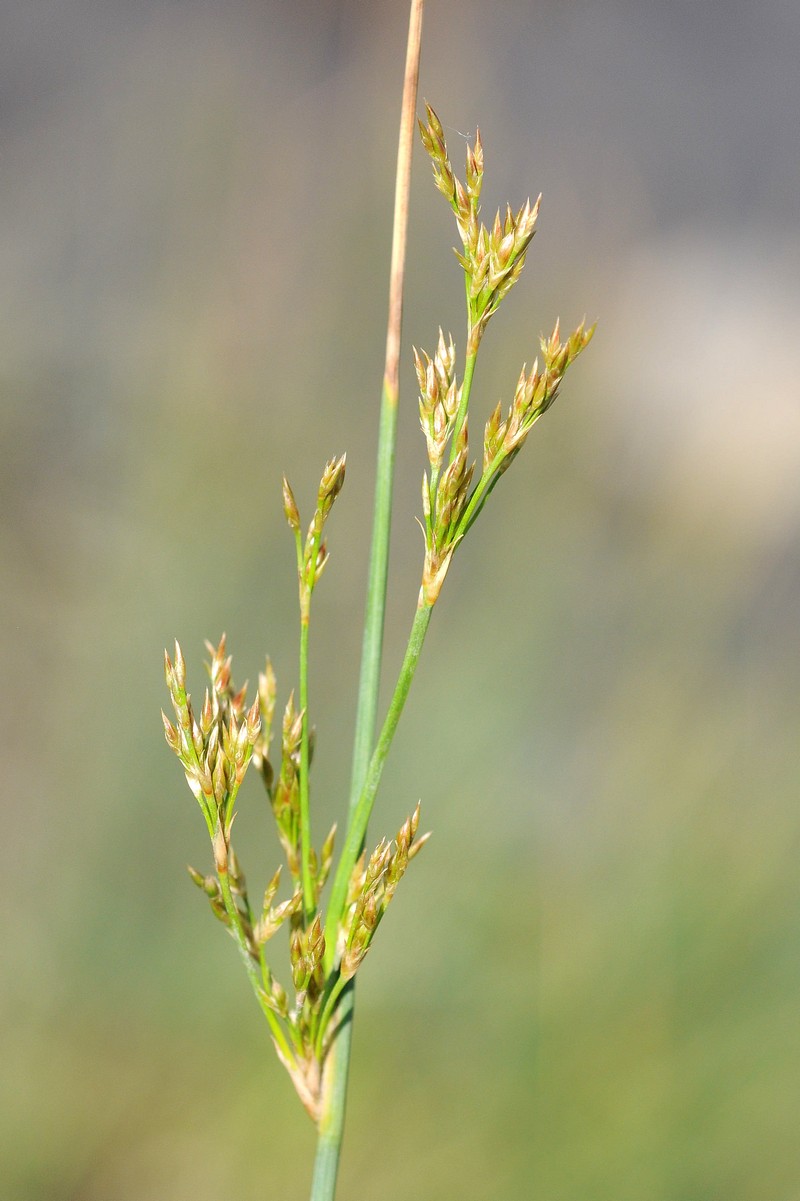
(309, 1005)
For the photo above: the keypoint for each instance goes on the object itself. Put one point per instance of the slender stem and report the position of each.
(306, 578)
(334, 1101)
(326, 1014)
(360, 815)
(252, 971)
(482, 490)
(372, 646)
(309, 890)
(367, 706)
(463, 404)
(266, 977)
(331, 1127)
(337, 1063)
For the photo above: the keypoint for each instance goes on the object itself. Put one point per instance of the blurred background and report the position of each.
(589, 990)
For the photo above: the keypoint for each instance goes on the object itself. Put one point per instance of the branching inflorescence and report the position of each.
(217, 744)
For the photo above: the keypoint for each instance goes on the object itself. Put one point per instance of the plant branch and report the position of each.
(360, 815)
(309, 890)
(252, 971)
(463, 406)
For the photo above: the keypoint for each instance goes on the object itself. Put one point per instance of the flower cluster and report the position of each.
(372, 886)
(216, 746)
(493, 257)
(215, 749)
(492, 260)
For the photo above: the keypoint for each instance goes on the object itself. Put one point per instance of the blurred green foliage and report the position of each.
(590, 989)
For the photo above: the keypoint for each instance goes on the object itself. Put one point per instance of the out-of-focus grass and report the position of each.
(589, 988)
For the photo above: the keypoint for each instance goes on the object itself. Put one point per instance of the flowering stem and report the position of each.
(466, 389)
(309, 897)
(372, 646)
(359, 817)
(334, 1102)
(331, 1126)
(483, 488)
(327, 1011)
(252, 971)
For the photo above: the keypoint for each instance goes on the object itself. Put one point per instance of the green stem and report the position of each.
(334, 1101)
(466, 388)
(337, 1063)
(372, 646)
(305, 586)
(328, 1007)
(482, 489)
(266, 978)
(252, 971)
(359, 817)
(309, 890)
(331, 1126)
